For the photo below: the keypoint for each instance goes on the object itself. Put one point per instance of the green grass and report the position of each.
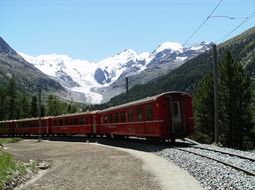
(9, 140)
(9, 167)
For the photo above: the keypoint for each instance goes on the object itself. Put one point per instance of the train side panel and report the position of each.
(74, 124)
(6, 128)
(30, 126)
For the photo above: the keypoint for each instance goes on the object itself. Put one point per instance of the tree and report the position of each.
(55, 106)
(203, 109)
(34, 107)
(71, 108)
(50, 106)
(24, 107)
(42, 111)
(235, 95)
(2, 104)
(234, 102)
(11, 100)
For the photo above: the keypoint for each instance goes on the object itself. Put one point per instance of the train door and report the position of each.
(48, 123)
(140, 123)
(177, 118)
(94, 123)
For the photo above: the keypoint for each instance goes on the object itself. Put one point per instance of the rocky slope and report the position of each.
(99, 81)
(28, 78)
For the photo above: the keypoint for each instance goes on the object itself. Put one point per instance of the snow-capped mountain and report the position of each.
(101, 80)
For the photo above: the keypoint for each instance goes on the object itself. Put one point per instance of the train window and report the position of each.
(55, 122)
(123, 116)
(149, 113)
(66, 122)
(139, 113)
(71, 122)
(75, 121)
(176, 109)
(105, 119)
(81, 121)
(116, 117)
(110, 118)
(43, 123)
(130, 116)
(60, 122)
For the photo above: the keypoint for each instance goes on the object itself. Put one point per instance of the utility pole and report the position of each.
(127, 89)
(39, 116)
(215, 77)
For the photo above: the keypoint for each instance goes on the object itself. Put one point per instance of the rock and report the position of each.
(43, 165)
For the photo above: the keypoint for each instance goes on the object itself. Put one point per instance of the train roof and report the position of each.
(31, 119)
(6, 121)
(47, 117)
(144, 100)
(76, 114)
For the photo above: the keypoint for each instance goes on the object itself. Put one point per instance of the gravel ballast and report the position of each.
(211, 174)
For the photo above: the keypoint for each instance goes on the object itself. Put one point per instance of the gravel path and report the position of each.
(84, 166)
(169, 175)
(78, 165)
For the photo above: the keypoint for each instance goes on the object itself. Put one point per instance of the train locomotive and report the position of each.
(167, 116)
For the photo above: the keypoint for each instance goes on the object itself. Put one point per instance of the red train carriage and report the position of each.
(165, 116)
(31, 126)
(79, 123)
(6, 128)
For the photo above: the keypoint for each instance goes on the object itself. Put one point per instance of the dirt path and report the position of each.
(77, 165)
(167, 174)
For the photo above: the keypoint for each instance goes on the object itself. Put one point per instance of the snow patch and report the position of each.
(170, 46)
(181, 58)
(81, 76)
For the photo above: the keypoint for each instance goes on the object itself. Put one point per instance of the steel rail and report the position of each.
(225, 152)
(222, 162)
(220, 151)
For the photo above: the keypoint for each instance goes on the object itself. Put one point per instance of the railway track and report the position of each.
(238, 162)
(228, 153)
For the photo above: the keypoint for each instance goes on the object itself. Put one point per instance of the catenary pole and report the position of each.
(39, 116)
(127, 89)
(215, 76)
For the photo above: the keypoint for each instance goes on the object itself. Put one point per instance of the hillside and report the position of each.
(185, 78)
(27, 77)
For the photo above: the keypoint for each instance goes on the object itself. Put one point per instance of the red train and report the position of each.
(165, 116)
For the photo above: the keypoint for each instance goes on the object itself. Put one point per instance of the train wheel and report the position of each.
(173, 140)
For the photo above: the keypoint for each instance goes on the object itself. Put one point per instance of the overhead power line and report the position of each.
(246, 19)
(232, 18)
(191, 36)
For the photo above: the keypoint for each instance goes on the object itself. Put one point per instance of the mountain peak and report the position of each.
(127, 51)
(173, 46)
(5, 48)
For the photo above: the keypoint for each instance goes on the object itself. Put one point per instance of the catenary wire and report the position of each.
(200, 26)
(246, 19)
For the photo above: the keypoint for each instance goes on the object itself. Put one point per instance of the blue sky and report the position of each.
(95, 29)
